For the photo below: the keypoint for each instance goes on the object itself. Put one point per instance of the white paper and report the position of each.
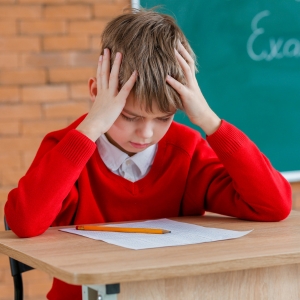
(181, 234)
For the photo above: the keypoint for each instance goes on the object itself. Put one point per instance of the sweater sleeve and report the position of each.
(33, 206)
(240, 181)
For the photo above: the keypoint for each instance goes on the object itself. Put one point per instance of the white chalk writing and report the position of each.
(279, 47)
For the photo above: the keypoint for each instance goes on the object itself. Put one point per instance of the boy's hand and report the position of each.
(109, 101)
(195, 105)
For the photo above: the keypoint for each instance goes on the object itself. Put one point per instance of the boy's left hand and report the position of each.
(195, 105)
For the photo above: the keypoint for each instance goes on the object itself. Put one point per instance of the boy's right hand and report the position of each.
(109, 101)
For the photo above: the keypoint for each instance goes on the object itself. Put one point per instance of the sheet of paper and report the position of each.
(181, 234)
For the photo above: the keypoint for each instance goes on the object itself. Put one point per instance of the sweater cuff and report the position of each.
(76, 147)
(227, 140)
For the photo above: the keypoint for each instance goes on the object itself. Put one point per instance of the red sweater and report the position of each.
(68, 183)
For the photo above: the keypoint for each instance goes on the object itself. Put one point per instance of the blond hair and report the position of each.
(147, 40)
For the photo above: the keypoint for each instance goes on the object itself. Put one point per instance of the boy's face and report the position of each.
(135, 129)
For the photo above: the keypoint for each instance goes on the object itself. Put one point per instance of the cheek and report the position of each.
(119, 130)
(162, 129)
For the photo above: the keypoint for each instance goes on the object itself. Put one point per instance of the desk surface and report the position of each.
(80, 260)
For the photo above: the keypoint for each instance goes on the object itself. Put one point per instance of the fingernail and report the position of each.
(105, 51)
(118, 54)
(100, 58)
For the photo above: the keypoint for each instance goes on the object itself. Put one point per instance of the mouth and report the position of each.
(139, 146)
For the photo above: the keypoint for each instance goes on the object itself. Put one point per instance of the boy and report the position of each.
(127, 159)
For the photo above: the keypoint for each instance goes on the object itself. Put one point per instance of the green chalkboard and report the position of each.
(249, 67)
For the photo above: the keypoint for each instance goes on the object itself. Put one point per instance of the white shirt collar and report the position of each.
(113, 157)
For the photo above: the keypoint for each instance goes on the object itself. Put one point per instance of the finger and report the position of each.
(99, 72)
(114, 74)
(184, 53)
(185, 67)
(105, 70)
(127, 87)
(176, 85)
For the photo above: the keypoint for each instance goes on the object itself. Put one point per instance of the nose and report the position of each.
(145, 130)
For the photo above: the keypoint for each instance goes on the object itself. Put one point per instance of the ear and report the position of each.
(93, 88)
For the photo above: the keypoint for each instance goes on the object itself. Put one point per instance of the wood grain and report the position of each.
(79, 260)
(275, 283)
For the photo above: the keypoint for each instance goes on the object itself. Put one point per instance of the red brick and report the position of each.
(12, 177)
(84, 59)
(96, 43)
(44, 93)
(20, 112)
(9, 94)
(126, 3)
(296, 195)
(3, 258)
(10, 161)
(26, 76)
(3, 197)
(108, 10)
(59, 75)
(87, 27)
(80, 91)
(45, 59)
(36, 284)
(19, 144)
(7, 1)
(8, 27)
(5, 275)
(66, 43)
(69, 109)
(20, 11)
(6, 292)
(41, 128)
(8, 61)
(43, 27)
(94, 1)
(35, 275)
(296, 203)
(9, 128)
(74, 11)
(2, 229)
(27, 158)
(41, 1)
(20, 44)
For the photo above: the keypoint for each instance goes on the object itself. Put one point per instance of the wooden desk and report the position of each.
(265, 264)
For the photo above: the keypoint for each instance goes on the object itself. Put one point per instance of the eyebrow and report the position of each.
(133, 114)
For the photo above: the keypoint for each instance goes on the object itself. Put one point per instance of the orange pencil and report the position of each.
(122, 229)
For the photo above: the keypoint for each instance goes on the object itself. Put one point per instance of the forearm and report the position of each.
(209, 122)
(258, 191)
(34, 204)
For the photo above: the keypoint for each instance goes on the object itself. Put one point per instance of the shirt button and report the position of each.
(128, 162)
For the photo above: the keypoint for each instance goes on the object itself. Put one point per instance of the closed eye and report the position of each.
(129, 119)
(164, 119)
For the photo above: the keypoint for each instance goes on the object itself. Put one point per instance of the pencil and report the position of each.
(122, 229)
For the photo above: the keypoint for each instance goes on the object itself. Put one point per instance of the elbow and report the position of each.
(281, 205)
(280, 213)
(275, 206)
(23, 228)
(27, 232)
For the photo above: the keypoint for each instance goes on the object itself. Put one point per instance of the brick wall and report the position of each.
(48, 50)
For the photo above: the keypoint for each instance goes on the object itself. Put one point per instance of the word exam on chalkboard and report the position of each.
(248, 55)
